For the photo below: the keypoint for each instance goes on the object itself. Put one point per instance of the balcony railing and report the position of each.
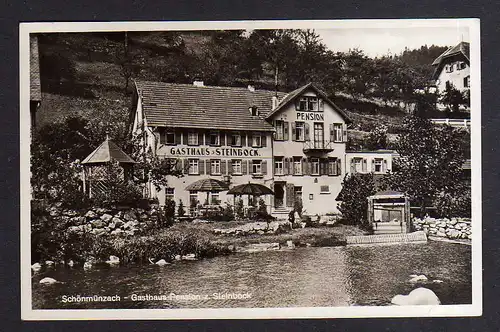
(320, 146)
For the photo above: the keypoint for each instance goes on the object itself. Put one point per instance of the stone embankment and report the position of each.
(274, 227)
(101, 221)
(453, 228)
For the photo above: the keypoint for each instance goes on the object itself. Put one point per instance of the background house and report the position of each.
(453, 67)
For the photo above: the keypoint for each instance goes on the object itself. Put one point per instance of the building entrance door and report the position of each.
(279, 195)
(319, 135)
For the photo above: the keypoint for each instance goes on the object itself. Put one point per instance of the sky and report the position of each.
(382, 41)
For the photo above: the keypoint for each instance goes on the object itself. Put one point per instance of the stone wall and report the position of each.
(101, 221)
(453, 228)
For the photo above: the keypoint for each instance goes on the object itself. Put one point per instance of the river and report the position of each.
(302, 277)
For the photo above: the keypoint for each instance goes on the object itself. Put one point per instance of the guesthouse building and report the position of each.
(453, 67)
(292, 143)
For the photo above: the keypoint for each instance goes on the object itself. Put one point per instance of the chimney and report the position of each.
(198, 83)
(275, 102)
(251, 88)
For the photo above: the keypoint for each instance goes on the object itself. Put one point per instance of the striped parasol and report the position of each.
(207, 185)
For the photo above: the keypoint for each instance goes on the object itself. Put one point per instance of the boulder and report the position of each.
(453, 221)
(453, 234)
(87, 265)
(113, 260)
(90, 214)
(49, 263)
(78, 220)
(162, 262)
(437, 281)
(36, 267)
(70, 263)
(96, 223)
(189, 257)
(117, 221)
(117, 231)
(419, 296)
(177, 257)
(441, 234)
(119, 214)
(129, 216)
(418, 278)
(106, 217)
(290, 244)
(102, 211)
(70, 213)
(48, 281)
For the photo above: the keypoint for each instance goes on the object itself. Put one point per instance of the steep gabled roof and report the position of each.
(298, 92)
(35, 86)
(210, 107)
(461, 48)
(106, 152)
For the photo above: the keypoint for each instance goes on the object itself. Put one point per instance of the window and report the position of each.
(236, 139)
(170, 137)
(307, 104)
(467, 82)
(214, 198)
(357, 165)
(256, 167)
(461, 65)
(297, 166)
(325, 189)
(192, 139)
(334, 166)
(254, 111)
(337, 132)
(215, 166)
(193, 199)
(278, 166)
(449, 68)
(214, 138)
(236, 165)
(193, 167)
(169, 194)
(378, 165)
(314, 166)
(281, 130)
(299, 131)
(256, 140)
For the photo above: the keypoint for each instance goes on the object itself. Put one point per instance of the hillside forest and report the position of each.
(90, 75)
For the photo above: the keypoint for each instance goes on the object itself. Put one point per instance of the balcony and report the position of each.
(318, 146)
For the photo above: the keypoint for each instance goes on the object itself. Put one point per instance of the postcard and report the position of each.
(250, 169)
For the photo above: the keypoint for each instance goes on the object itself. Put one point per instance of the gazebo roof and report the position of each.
(388, 194)
(106, 152)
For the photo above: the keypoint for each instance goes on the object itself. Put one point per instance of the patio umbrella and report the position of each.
(208, 185)
(250, 189)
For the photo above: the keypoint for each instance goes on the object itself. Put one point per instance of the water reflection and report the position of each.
(336, 276)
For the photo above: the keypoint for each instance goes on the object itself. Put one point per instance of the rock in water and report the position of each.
(87, 265)
(162, 262)
(419, 296)
(36, 267)
(418, 278)
(48, 281)
(113, 260)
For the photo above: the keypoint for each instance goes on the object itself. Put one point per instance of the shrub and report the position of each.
(180, 209)
(456, 204)
(240, 212)
(355, 190)
(298, 207)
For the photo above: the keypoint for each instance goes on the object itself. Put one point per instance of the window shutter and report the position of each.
(338, 165)
(250, 139)
(222, 139)
(162, 135)
(223, 164)
(344, 132)
(364, 167)
(290, 195)
(321, 105)
(185, 165)
(229, 167)
(178, 165)
(264, 167)
(306, 132)
(293, 131)
(178, 137)
(305, 166)
(200, 139)
(201, 167)
(243, 139)
(286, 166)
(264, 140)
(332, 137)
(185, 138)
(353, 166)
(372, 166)
(244, 168)
(285, 131)
(208, 167)
(384, 169)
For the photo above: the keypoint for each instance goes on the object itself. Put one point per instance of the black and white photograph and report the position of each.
(250, 169)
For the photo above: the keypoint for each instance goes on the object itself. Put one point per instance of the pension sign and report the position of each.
(314, 116)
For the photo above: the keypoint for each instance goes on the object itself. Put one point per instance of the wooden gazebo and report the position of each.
(385, 202)
(94, 166)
